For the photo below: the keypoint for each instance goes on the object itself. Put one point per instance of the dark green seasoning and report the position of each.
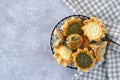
(83, 60)
(74, 28)
(74, 38)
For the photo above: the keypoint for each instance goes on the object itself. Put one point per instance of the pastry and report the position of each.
(85, 41)
(72, 26)
(59, 34)
(99, 49)
(57, 43)
(74, 41)
(83, 59)
(94, 29)
(63, 55)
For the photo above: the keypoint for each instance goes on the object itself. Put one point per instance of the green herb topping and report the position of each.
(83, 60)
(74, 29)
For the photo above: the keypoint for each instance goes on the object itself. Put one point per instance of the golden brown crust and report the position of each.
(63, 55)
(87, 52)
(65, 27)
(57, 43)
(99, 49)
(94, 29)
(85, 41)
(74, 41)
(59, 34)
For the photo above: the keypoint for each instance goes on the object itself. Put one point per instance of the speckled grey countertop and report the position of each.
(25, 28)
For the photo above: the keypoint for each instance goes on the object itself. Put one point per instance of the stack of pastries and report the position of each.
(80, 42)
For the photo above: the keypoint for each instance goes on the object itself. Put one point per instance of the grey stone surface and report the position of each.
(25, 28)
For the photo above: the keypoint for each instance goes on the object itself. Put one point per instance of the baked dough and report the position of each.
(94, 29)
(74, 41)
(99, 49)
(85, 41)
(83, 59)
(72, 26)
(58, 33)
(63, 55)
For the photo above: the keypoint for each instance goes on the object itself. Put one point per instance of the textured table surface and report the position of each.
(25, 28)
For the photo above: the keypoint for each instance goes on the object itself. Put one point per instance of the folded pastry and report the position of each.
(99, 49)
(57, 43)
(59, 34)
